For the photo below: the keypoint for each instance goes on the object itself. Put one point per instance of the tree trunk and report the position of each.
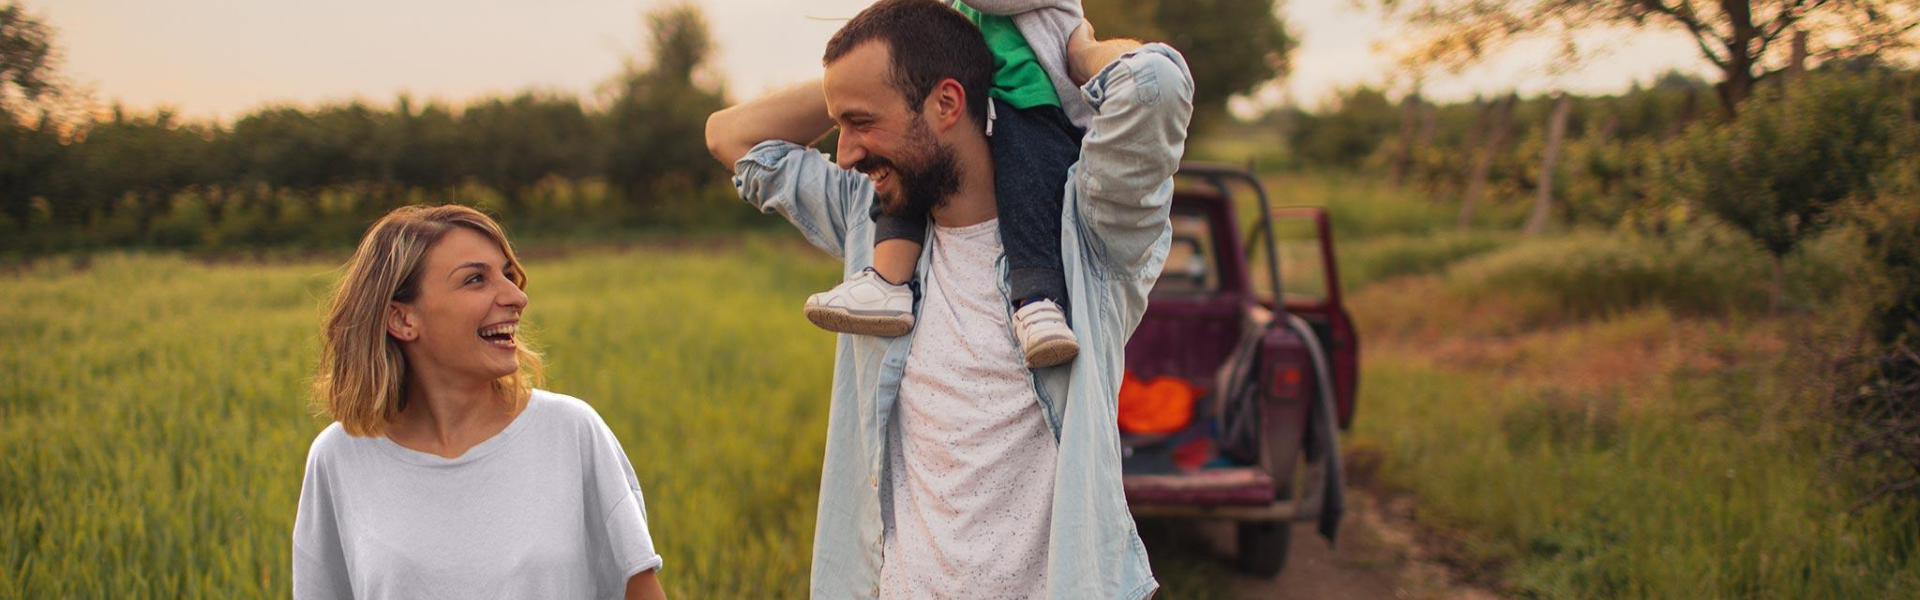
(1796, 63)
(1428, 117)
(1740, 55)
(1498, 124)
(1543, 197)
(1403, 151)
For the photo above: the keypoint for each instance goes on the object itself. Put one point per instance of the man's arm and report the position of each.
(797, 114)
(764, 141)
(1142, 99)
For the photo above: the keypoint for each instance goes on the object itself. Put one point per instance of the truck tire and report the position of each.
(1263, 546)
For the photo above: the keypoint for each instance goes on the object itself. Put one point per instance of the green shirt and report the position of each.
(1018, 78)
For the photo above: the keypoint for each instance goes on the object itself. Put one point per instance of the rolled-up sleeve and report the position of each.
(803, 185)
(1142, 103)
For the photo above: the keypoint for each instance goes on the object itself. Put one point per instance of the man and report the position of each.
(951, 469)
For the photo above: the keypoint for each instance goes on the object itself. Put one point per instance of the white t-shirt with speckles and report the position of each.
(970, 457)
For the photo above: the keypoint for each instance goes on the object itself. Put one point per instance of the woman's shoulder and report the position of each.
(331, 443)
(562, 408)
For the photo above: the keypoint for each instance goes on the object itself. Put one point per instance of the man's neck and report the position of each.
(974, 202)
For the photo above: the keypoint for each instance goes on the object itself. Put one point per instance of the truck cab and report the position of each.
(1276, 366)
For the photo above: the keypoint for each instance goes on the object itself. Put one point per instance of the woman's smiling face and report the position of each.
(463, 325)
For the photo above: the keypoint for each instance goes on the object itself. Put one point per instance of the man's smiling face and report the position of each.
(885, 138)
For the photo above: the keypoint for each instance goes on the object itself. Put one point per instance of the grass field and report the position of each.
(1577, 416)
(154, 426)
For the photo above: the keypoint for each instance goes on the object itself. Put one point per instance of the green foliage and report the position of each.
(155, 425)
(1232, 46)
(1700, 491)
(28, 60)
(31, 150)
(1777, 170)
(516, 143)
(1386, 257)
(1891, 227)
(1349, 132)
(283, 175)
(657, 120)
(1594, 274)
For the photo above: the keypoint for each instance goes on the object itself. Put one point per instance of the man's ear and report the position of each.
(400, 322)
(947, 103)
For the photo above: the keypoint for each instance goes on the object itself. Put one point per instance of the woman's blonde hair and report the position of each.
(362, 379)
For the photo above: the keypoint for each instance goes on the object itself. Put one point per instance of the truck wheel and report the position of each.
(1263, 546)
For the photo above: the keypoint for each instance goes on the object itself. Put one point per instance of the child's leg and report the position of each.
(895, 259)
(1032, 150)
(877, 300)
(896, 244)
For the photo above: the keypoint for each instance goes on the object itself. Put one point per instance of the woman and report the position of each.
(445, 474)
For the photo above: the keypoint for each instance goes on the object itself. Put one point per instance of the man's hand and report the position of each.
(797, 114)
(1086, 56)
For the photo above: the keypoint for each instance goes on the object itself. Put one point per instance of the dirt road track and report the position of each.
(1377, 559)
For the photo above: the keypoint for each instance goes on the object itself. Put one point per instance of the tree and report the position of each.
(1348, 131)
(1492, 131)
(28, 61)
(1748, 41)
(31, 148)
(1232, 46)
(1777, 170)
(273, 147)
(1543, 192)
(146, 159)
(426, 146)
(656, 120)
(29, 153)
(516, 143)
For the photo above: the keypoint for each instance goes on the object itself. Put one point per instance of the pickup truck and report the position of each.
(1278, 370)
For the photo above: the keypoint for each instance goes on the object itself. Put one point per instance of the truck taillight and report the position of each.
(1288, 383)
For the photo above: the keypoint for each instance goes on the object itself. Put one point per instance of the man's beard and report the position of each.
(921, 188)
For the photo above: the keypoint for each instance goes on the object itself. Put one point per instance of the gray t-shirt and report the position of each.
(547, 508)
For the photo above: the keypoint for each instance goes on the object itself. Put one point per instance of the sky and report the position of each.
(222, 58)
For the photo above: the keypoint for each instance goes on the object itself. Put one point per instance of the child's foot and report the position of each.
(864, 305)
(1044, 336)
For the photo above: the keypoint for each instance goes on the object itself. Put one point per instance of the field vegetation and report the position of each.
(155, 425)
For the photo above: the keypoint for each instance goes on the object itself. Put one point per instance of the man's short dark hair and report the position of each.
(928, 42)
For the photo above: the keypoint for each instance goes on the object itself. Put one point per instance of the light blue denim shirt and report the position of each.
(1114, 237)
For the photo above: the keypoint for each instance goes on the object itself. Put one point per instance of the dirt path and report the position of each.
(1379, 558)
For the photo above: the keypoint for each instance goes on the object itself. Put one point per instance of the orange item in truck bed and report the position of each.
(1162, 405)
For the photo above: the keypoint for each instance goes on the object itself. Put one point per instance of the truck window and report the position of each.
(1192, 267)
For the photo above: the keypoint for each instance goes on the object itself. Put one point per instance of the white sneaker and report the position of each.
(863, 305)
(1044, 336)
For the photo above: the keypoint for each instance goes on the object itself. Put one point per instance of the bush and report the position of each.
(1704, 271)
(1791, 156)
(1399, 256)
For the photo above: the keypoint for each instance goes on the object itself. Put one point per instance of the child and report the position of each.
(1037, 119)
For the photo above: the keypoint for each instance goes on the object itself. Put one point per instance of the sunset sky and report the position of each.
(220, 58)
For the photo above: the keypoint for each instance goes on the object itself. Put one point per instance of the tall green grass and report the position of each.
(1699, 473)
(1705, 271)
(154, 424)
(1713, 490)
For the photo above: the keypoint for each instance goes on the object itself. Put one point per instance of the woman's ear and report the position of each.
(400, 323)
